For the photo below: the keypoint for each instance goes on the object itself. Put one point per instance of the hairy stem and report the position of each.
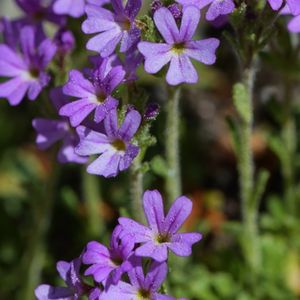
(173, 178)
(246, 176)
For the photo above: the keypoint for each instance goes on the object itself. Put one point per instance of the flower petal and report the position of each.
(166, 25)
(178, 213)
(181, 70)
(158, 252)
(130, 125)
(91, 142)
(189, 23)
(154, 209)
(203, 51)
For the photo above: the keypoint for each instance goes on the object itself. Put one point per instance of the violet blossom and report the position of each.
(161, 234)
(93, 94)
(294, 24)
(115, 147)
(140, 286)
(109, 262)
(293, 5)
(179, 47)
(112, 27)
(26, 69)
(37, 11)
(73, 8)
(51, 131)
(216, 7)
(69, 272)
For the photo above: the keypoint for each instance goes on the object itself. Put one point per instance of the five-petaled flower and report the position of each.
(115, 147)
(179, 47)
(26, 68)
(161, 234)
(112, 27)
(95, 93)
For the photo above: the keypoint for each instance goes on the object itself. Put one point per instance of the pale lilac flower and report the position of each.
(51, 131)
(26, 70)
(161, 234)
(217, 7)
(109, 263)
(294, 24)
(179, 47)
(69, 272)
(93, 94)
(73, 8)
(112, 27)
(141, 286)
(115, 147)
(293, 5)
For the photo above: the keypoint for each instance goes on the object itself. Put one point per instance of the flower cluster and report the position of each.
(88, 114)
(131, 245)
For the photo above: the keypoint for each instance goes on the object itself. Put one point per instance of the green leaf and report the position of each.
(235, 134)
(159, 166)
(260, 186)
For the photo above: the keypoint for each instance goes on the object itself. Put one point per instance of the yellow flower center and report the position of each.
(119, 145)
(178, 48)
(144, 294)
(162, 238)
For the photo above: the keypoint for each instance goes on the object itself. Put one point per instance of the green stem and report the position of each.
(173, 178)
(137, 189)
(92, 197)
(246, 175)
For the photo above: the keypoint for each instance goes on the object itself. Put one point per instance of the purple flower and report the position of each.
(51, 131)
(293, 5)
(69, 272)
(113, 261)
(141, 286)
(294, 24)
(65, 41)
(115, 147)
(112, 28)
(73, 8)
(162, 232)
(217, 7)
(26, 70)
(175, 11)
(37, 11)
(179, 47)
(93, 94)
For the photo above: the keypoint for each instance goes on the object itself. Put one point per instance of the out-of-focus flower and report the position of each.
(179, 47)
(293, 5)
(115, 147)
(50, 132)
(73, 8)
(294, 24)
(112, 261)
(25, 68)
(112, 27)
(217, 7)
(64, 40)
(141, 286)
(161, 234)
(37, 11)
(69, 272)
(94, 94)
